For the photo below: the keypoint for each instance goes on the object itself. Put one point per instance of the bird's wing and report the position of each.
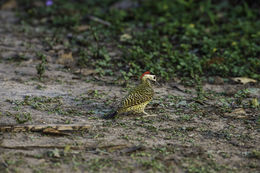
(137, 96)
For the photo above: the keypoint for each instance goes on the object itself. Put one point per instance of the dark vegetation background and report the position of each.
(183, 38)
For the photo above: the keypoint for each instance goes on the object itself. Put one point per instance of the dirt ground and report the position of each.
(219, 133)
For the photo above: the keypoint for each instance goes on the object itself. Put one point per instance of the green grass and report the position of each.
(181, 38)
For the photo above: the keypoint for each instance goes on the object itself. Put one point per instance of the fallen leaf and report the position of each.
(82, 28)
(125, 37)
(243, 80)
(230, 90)
(238, 113)
(30, 61)
(215, 60)
(11, 4)
(58, 47)
(218, 80)
(85, 71)
(66, 59)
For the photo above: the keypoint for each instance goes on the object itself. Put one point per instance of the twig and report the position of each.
(94, 147)
(178, 88)
(31, 147)
(96, 19)
(132, 149)
(46, 128)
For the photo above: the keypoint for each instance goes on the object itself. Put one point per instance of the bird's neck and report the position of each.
(146, 82)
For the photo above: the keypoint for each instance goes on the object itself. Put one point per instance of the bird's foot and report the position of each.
(145, 116)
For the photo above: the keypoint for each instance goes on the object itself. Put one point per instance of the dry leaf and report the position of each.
(215, 60)
(82, 28)
(238, 113)
(11, 4)
(230, 90)
(125, 37)
(52, 131)
(218, 80)
(243, 80)
(85, 71)
(66, 59)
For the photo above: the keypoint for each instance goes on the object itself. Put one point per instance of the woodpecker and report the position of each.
(137, 98)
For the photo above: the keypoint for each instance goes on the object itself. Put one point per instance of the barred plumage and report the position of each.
(138, 97)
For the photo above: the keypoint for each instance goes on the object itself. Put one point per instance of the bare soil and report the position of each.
(186, 134)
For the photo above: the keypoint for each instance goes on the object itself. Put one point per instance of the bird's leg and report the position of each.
(145, 113)
(148, 115)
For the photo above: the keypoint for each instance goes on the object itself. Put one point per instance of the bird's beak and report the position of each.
(157, 83)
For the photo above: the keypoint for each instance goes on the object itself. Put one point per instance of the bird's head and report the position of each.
(147, 76)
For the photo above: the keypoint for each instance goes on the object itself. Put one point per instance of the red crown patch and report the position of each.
(147, 72)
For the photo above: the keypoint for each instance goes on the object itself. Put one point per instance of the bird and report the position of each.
(138, 97)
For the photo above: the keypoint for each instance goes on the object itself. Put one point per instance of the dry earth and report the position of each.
(213, 134)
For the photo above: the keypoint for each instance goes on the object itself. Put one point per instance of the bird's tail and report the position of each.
(111, 115)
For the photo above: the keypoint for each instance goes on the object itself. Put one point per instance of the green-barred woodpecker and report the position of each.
(137, 98)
